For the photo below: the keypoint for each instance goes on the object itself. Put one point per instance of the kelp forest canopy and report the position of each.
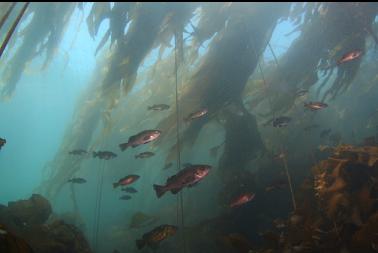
(215, 54)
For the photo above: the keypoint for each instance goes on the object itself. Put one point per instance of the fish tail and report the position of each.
(115, 185)
(160, 190)
(123, 146)
(95, 154)
(140, 243)
(149, 108)
(136, 156)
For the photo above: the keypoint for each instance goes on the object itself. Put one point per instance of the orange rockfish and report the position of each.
(242, 199)
(314, 106)
(141, 138)
(350, 56)
(126, 180)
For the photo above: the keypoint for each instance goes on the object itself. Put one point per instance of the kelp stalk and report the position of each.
(11, 31)
(6, 15)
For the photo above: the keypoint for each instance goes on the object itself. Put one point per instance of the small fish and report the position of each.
(144, 155)
(281, 121)
(167, 166)
(325, 132)
(323, 147)
(277, 184)
(187, 177)
(78, 152)
(2, 142)
(130, 190)
(242, 199)
(126, 180)
(295, 219)
(314, 106)
(77, 180)
(158, 107)
(139, 220)
(350, 56)
(125, 197)
(106, 155)
(279, 156)
(310, 127)
(279, 223)
(197, 114)
(3, 231)
(154, 237)
(301, 93)
(143, 137)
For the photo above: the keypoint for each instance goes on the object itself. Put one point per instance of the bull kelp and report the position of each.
(189, 127)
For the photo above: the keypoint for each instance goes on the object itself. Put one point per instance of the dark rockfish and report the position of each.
(189, 177)
(350, 56)
(314, 106)
(126, 180)
(130, 190)
(2, 142)
(196, 114)
(158, 107)
(154, 237)
(106, 155)
(242, 199)
(141, 138)
(77, 180)
(126, 197)
(78, 152)
(281, 121)
(144, 155)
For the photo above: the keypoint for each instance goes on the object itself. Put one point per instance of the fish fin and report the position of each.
(134, 145)
(95, 154)
(160, 190)
(123, 146)
(175, 191)
(115, 185)
(140, 243)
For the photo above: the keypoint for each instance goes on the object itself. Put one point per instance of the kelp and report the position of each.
(78, 134)
(342, 30)
(226, 67)
(130, 52)
(37, 38)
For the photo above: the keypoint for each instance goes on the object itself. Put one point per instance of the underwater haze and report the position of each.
(188, 127)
